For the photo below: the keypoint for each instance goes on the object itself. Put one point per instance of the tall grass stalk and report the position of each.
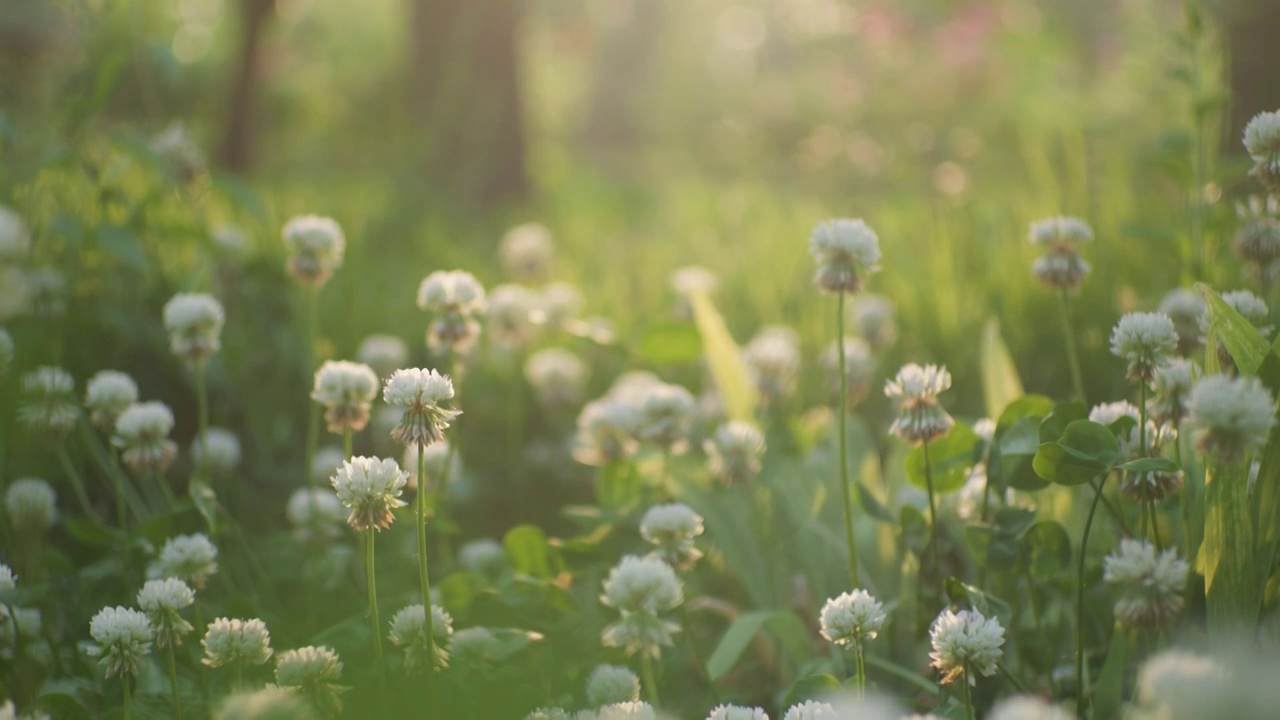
(1073, 356)
(646, 674)
(1084, 550)
(312, 302)
(850, 539)
(933, 512)
(173, 670)
(202, 418)
(420, 504)
(77, 483)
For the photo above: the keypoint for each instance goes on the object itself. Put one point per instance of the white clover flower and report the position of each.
(510, 312)
(557, 377)
(142, 433)
(190, 558)
(485, 556)
(7, 352)
(1150, 583)
(269, 703)
(194, 322)
(180, 150)
(223, 455)
(1172, 682)
(734, 452)
(316, 245)
(346, 389)
(693, 280)
(1262, 141)
(673, 529)
(315, 672)
(409, 631)
(420, 392)
(773, 360)
(123, 637)
(642, 584)
(637, 710)
(606, 431)
(559, 303)
(665, 415)
(1055, 231)
(163, 601)
(811, 710)
(1152, 485)
(851, 618)
(50, 405)
(232, 641)
(315, 514)
(1230, 416)
(1257, 240)
(965, 643)
(1145, 341)
(108, 394)
(474, 649)
(1186, 309)
(229, 239)
(15, 240)
(383, 353)
(860, 365)
(985, 428)
(737, 712)
(8, 580)
(1172, 385)
(553, 713)
(455, 298)
(1107, 413)
(31, 504)
(847, 253)
(325, 463)
(1060, 266)
(920, 417)
(610, 684)
(438, 460)
(527, 252)
(874, 319)
(1027, 707)
(370, 488)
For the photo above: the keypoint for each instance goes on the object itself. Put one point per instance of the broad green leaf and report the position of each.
(1027, 406)
(724, 360)
(1046, 549)
(1233, 590)
(1109, 692)
(673, 342)
(1085, 450)
(871, 504)
(986, 603)
(528, 551)
(1063, 414)
(951, 458)
(1149, 464)
(1000, 383)
(458, 590)
(92, 534)
(1012, 458)
(1242, 340)
(811, 687)
(735, 641)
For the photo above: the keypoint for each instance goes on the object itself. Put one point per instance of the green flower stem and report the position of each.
(646, 673)
(313, 411)
(1084, 548)
(128, 698)
(77, 483)
(173, 671)
(850, 539)
(420, 503)
(860, 668)
(201, 628)
(239, 677)
(346, 443)
(968, 694)
(1073, 357)
(374, 622)
(163, 482)
(202, 418)
(933, 512)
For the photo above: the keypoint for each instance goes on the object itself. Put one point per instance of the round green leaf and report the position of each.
(1046, 549)
(951, 459)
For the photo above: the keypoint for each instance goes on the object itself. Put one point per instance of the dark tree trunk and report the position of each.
(1251, 27)
(241, 128)
(465, 96)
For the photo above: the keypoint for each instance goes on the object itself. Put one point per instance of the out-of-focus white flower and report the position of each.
(1107, 413)
(484, 556)
(610, 684)
(142, 434)
(557, 377)
(640, 588)
(1186, 309)
(194, 322)
(1150, 583)
(269, 703)
(1230, 416)
(847, 253)
(859, 368)
(965, 643)
(190, 558)
(346, 389)
(773, 360)
(315, 672)
(1060, 266)
(1027, 707)
(1179, 685)
(920, 417)
(874, 319)
(438, 460)
(315, 513)
(229, 239)
(734, 452)
(108, 394)
(811, 710)
(420, 392)
(637, 710)
(455, 298)
(180, 150)
(123, 637)
(231, 641)
(370, 488)
(1262, 141)
(383, 353)
(606, 431)
(46, 292)
(1257, 240)
(693, 279)
(223, 455)
(409, 631)
(1145, 341)
(673, 528)
(8, 580)
(15, 240)
(527, 252)
(851, 618)
(665, 415)
(316, 246)
(737, 712)
(558, 304)
(163, 601)
(1172, 385)
(475, 649)
(510, 312)
(50, 401)
(31, 504)
(555, 713)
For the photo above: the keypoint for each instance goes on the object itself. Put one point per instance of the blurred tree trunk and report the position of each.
(465, 96)
(1251, 27)
(617, 105)
(241, 126)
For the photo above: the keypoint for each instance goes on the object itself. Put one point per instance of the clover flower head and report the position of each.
(1257, 240)
(874, 319)
(370, 488)
(1175, 679)
(163, 601)
(475, 649)
(510, 313)
(268, 703)
(1107, 413)
(637, 710)
(230, 240)
(851, 618)
(8, 580)
(1172, 385)
(665, 415)
(557, 377)
(232, 641)
(1061, 265)
(606, 431)
(484, 556)
(860, 365)
(190, 558)
(559, 303)
(142, 433)
(920, 417)
(610, 684)
(50, 405)
(31, 504)
(1145, 341)
(693, 280)
(109, 393)
(773, 361)
(1187, 311)
(1230, 416)
(1262, 141)
(180, 150)
(1027, 707)
(421, 394)
(7, 352)
(315, 514)
(223, 453)
(527, 252)
(811, 710)
(409, 631)
(15, 240)
(346, 389)
(737, 712)
(965, 643)
(313, 671)
(642, 584)
(194, 322)
(1062, 230)
(451, 291)
(315, 245)
(1149, 485)
(673, 529)
(123, 637)
(847, 253)
(734, 452)
(1150, 583)
(557, 713)
(383, 353)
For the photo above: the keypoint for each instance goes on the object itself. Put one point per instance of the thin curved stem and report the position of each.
(313, 411)
(423, 576)
(850, 539)
(1073, 357)
(77, 483)
(1084, 548)
(374, 622)
(933, 512)
(173, 672)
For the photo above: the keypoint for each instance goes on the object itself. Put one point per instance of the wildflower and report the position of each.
(51, 402)
(859, 367)
(420, 393)
(194, 322)
(314, 671)
(315, 246)
(7, 352)
(920, 418)
(1152, 485)
(736, 712)
(314, 514)
(773, 361)
(437, 460)
(1145, 340)
(108, 394)
(176, 146)
(555, 713)
(557, 377)
(347, 390)
(734, 452)
(851, 618)
(8, 580)
(230, 240)
(269, 703)
(673, 529)
(409, 631)
(1257, 241)
(1061, 266)
(223, 454)
(163, 601)
(1108, 413)
(142, 432)
(383, 353)
(15, 240)
(1176, 680)
(190, 558)
(486, 557)
(1262, 141)
(1027, 707)
(527, 252)
(873, 318)
(32, 505)
(640, 588)
(455, 297)
(610, 684)
(965, 643)
(847, 253)
(510, 312)
(606, 431)
(1150, 584)
(1172, 387)
(231, 641)
(627, 711)
(1229, 416)
(1186, 309)
(325, 463)
(665, 415)
(558, 303)
(811, 710)
(693, 280)
(123, 637)
(370, 488)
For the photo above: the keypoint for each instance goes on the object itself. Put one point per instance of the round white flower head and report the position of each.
(32, 505)
(556, 713)
(315, 246)
(773, 360)
(1230, 416)
(50, 405)
(123, 637)
(637, 710)
(847, 253)
(811, 710)
(527, 252)
(737, 712)
(485, 556)
(15, 241)
(163, 601)
(455, 298)
(230, 240)
(693, 280)
(1172, 385)
(194, 322)
(179, 150)
(965, 643)
(420, 392)
(734, 452)
(874, 319)
(7, 352)
(8, 580)
(474, 649)
(383, 353)
(409, 631)
(559, 303)
(190, 558)
(231, 642)
(1257, 240)
(315, 514)
(642, 584)
(315, 672)
(1060, 266)
(860, 365)
(606, 431)
(665, 415)
(370, 488)
(346, 389)
(1150, 583)
(1061, 230)
(1262, 141)
(1027, 707)
(557, 377)
(1145, 341)
(437, 460)
(1150, 485)
(142, 433)
(1186, 309)
(325, 463)
(1175, 680)
(108, 394)
(269, 703)
(223, 455)
(920, 417)
(1107, 413)
(851, 618)
(610, 684)
(673, 529)
(510, 312)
